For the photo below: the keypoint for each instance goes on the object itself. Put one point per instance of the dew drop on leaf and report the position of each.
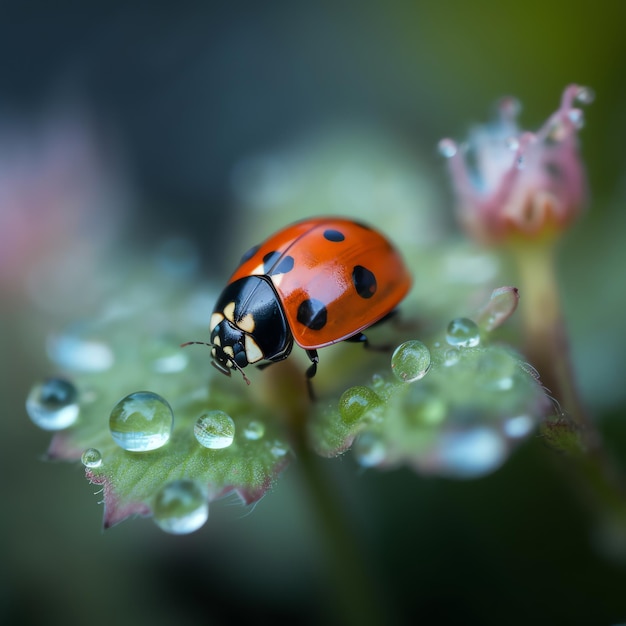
(141, 421)
(214, 430)
(463, 333)
(254, 430)
(53, 404)
(369, 450)
(91, 458)
(410, 361)
(181, 507)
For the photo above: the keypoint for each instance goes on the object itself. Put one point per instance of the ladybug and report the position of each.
(316, 282)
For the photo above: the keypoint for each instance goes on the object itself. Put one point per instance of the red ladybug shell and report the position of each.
(334, 277)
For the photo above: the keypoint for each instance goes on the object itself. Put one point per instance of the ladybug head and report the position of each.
(229, 346)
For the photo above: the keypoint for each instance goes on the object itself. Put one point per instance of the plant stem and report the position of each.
(545, 336)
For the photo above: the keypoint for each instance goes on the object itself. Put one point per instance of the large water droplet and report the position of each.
(214, 430)
(91, 458)
(410, 361)
(141, 421)
(254, 430)
(463, 333)
(181, 507)
(53, 404)
(447, 148)
(355, 403)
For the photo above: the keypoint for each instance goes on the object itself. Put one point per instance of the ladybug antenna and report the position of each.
(219, 366)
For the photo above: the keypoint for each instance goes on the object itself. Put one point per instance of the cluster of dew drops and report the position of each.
(140, 422)
(143, 421)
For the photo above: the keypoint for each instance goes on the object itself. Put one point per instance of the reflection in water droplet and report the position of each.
(463, 333)
(447, 148)
(53, 404)
(369, 450)
(214, 430)
(181, 507)
(355, 403)
(141, 421)
(410, 361)
(91, 458)
(254, 430)
(74, 351)
(471, 453)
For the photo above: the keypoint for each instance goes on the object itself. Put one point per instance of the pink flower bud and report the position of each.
(514, 184)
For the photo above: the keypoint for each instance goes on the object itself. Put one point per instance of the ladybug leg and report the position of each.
(361, 338)
(310, 373)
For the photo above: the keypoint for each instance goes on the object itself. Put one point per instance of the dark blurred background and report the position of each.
(123, 123)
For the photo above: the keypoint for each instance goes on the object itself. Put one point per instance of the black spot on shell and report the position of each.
(249, 254)
(364, 281)
(333, 235)
(312, 314)
(285, 264)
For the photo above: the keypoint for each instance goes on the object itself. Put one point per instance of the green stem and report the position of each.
(546, 347)
(545, 337)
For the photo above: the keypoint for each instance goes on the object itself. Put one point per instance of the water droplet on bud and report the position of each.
(447, 148)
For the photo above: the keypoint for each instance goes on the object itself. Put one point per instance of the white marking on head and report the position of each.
(216, 318)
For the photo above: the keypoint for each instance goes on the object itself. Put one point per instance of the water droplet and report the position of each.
(512, 143)
(519, 426)
(410, 361)
(254, 430)
(447, 148)
(181, 507)
(451, 357)
(141, 421)
(215, 430)
(278, 448)
(75, 350)
(585, 95)
(53, 404)
(576, 117)
(470, 453)
(369, 450)
(463, 333)
(355, 403)
(91, 458)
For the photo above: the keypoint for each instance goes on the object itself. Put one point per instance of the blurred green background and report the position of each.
(124, 123)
